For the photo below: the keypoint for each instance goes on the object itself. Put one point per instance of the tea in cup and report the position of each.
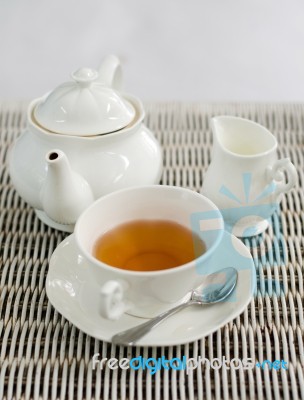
(142, 248)
(148, 245)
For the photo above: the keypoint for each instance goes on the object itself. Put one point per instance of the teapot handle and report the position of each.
(110, 72)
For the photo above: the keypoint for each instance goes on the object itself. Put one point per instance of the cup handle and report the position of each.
(276, 173)
(112, 304)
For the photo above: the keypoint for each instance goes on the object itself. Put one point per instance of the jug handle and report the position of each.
(276, 173)
(110, 72)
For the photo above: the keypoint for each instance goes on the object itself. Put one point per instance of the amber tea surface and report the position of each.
(145, 245)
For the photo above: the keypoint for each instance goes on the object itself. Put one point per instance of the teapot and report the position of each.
(83, 140)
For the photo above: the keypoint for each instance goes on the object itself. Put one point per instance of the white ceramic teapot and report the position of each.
(83, 140)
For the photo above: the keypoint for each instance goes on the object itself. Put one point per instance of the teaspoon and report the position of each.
(209, 292)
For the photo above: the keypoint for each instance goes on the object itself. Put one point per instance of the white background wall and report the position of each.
(208, 50)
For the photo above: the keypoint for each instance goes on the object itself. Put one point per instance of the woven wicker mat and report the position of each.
(42, 355)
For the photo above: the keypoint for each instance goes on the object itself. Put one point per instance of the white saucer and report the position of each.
(75, 296)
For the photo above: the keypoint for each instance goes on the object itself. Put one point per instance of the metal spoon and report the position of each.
(210, 291)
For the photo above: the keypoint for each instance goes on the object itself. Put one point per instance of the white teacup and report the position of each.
(147, 293)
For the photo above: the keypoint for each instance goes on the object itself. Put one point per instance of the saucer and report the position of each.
(75, 295)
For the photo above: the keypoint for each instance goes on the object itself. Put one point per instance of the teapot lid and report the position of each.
(85, 106)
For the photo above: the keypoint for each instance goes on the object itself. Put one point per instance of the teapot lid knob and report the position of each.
(85, 76)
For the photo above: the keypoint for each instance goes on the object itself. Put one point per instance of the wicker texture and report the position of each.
(42, 355)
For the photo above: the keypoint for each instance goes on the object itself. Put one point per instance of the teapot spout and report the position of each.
(64, 194)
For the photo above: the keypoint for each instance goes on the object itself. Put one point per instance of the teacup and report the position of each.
(147, 293)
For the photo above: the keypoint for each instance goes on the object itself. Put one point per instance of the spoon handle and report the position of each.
(130, 336)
